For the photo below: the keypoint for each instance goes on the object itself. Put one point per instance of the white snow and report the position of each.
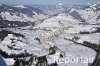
(22, 18)
(20, 6)
(9, 61)
(49, 27)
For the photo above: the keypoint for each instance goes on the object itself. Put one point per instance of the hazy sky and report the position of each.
(37, 2)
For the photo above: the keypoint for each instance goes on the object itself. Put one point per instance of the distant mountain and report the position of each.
(89, 14)
(19, 13)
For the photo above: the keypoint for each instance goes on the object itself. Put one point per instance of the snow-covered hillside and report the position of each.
(70, 33)
(20, 13)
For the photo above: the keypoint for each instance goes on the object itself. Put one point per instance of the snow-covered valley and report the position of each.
(45, 39)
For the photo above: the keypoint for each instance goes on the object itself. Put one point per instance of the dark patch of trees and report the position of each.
(42, 61)
(23, 61)
(6, 55)
(52, 50)
(6, 23)
(53, 64)
(85, 32)
(4, 33)
(96, 31)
